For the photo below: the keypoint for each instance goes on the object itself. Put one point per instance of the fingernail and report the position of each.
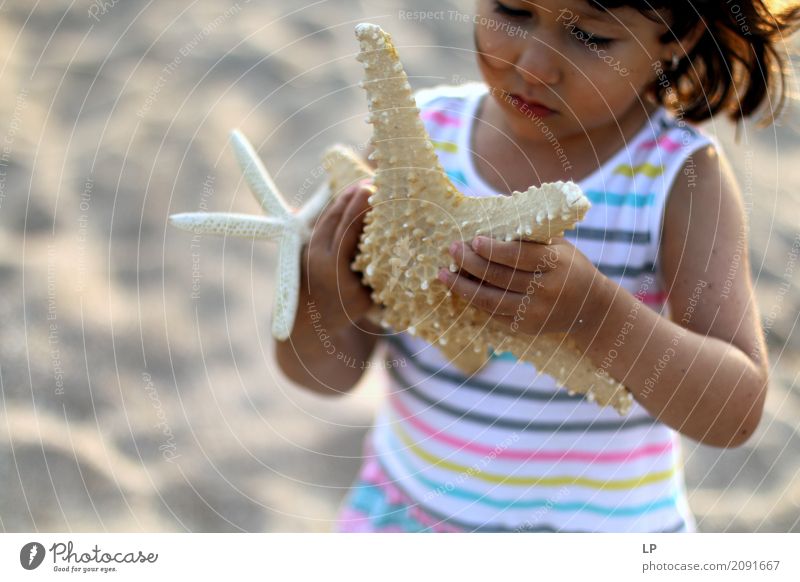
(442, 275)
(475, 243)
(453, 248)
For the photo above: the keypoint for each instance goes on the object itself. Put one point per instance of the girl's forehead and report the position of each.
(616, 13)
(588, 9)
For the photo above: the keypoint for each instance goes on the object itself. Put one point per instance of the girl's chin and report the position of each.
(523, 125)
(529, 128)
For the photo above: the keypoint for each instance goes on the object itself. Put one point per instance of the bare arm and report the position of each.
(322, 361)
(704, 373)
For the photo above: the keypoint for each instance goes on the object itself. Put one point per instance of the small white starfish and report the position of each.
(291, 228)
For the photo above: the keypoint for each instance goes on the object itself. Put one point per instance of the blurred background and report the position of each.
(139, 390)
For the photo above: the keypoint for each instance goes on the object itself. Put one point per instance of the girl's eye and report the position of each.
(589, 37)
(510, 12)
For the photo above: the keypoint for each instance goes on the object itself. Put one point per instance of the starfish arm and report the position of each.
(404, 152)
(538, 214)
(287, 288)
(345, 168)
(229, 224)
(257, 177)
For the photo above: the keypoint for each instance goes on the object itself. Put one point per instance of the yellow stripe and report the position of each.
(445, 146)
(647, 169)
(540, 481)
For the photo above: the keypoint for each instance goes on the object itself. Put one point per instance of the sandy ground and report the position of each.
(138, 387)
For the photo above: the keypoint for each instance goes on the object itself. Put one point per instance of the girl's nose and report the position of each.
(539, 63)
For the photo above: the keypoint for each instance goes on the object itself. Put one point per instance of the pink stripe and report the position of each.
(441, 118)
(354, 521)
(589, 457)
(436, 525)
(665, 142)
(351, 520)
(653, 298)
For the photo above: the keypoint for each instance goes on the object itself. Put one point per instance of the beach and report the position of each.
(138, 381)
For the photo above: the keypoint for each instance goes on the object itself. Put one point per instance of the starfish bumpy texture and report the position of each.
(415, 214)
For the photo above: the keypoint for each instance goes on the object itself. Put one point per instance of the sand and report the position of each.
(139, 390)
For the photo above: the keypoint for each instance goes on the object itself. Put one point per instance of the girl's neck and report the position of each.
(508, 166)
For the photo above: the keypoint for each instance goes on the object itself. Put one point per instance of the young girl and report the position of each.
(654, 284)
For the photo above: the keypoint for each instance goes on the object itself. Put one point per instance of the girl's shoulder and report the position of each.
(672, 127)
(665, 146)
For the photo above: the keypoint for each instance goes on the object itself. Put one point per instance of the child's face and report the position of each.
(554, 52)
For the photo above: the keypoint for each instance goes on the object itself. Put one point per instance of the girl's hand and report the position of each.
(327, 280)
(531, 287)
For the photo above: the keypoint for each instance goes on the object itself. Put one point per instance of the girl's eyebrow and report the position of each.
(603, 18)
(599, 13)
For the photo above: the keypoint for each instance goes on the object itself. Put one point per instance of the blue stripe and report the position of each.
(526, 393)
(458, 177)
(612, 199)
(640, 237)
(503, 356)
(371, 500)
(530, 426)
(574, 506)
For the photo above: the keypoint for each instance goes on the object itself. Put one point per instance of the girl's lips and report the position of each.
(533, 106)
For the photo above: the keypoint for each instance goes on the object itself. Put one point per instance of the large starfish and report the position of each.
(415, 213)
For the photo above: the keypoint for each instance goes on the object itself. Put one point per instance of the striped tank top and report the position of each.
(505, 449)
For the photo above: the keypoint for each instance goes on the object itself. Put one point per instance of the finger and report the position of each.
(354, 297)
(329, 205)
(528, 318)
(352, 233)
(358, 199)
(520, 255)
(325, 228)
(347, 194)
(484, 297)
(496, 274)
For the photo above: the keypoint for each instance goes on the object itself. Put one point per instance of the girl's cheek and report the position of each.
(499, 51)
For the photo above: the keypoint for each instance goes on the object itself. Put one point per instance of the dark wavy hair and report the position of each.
(735, 65)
